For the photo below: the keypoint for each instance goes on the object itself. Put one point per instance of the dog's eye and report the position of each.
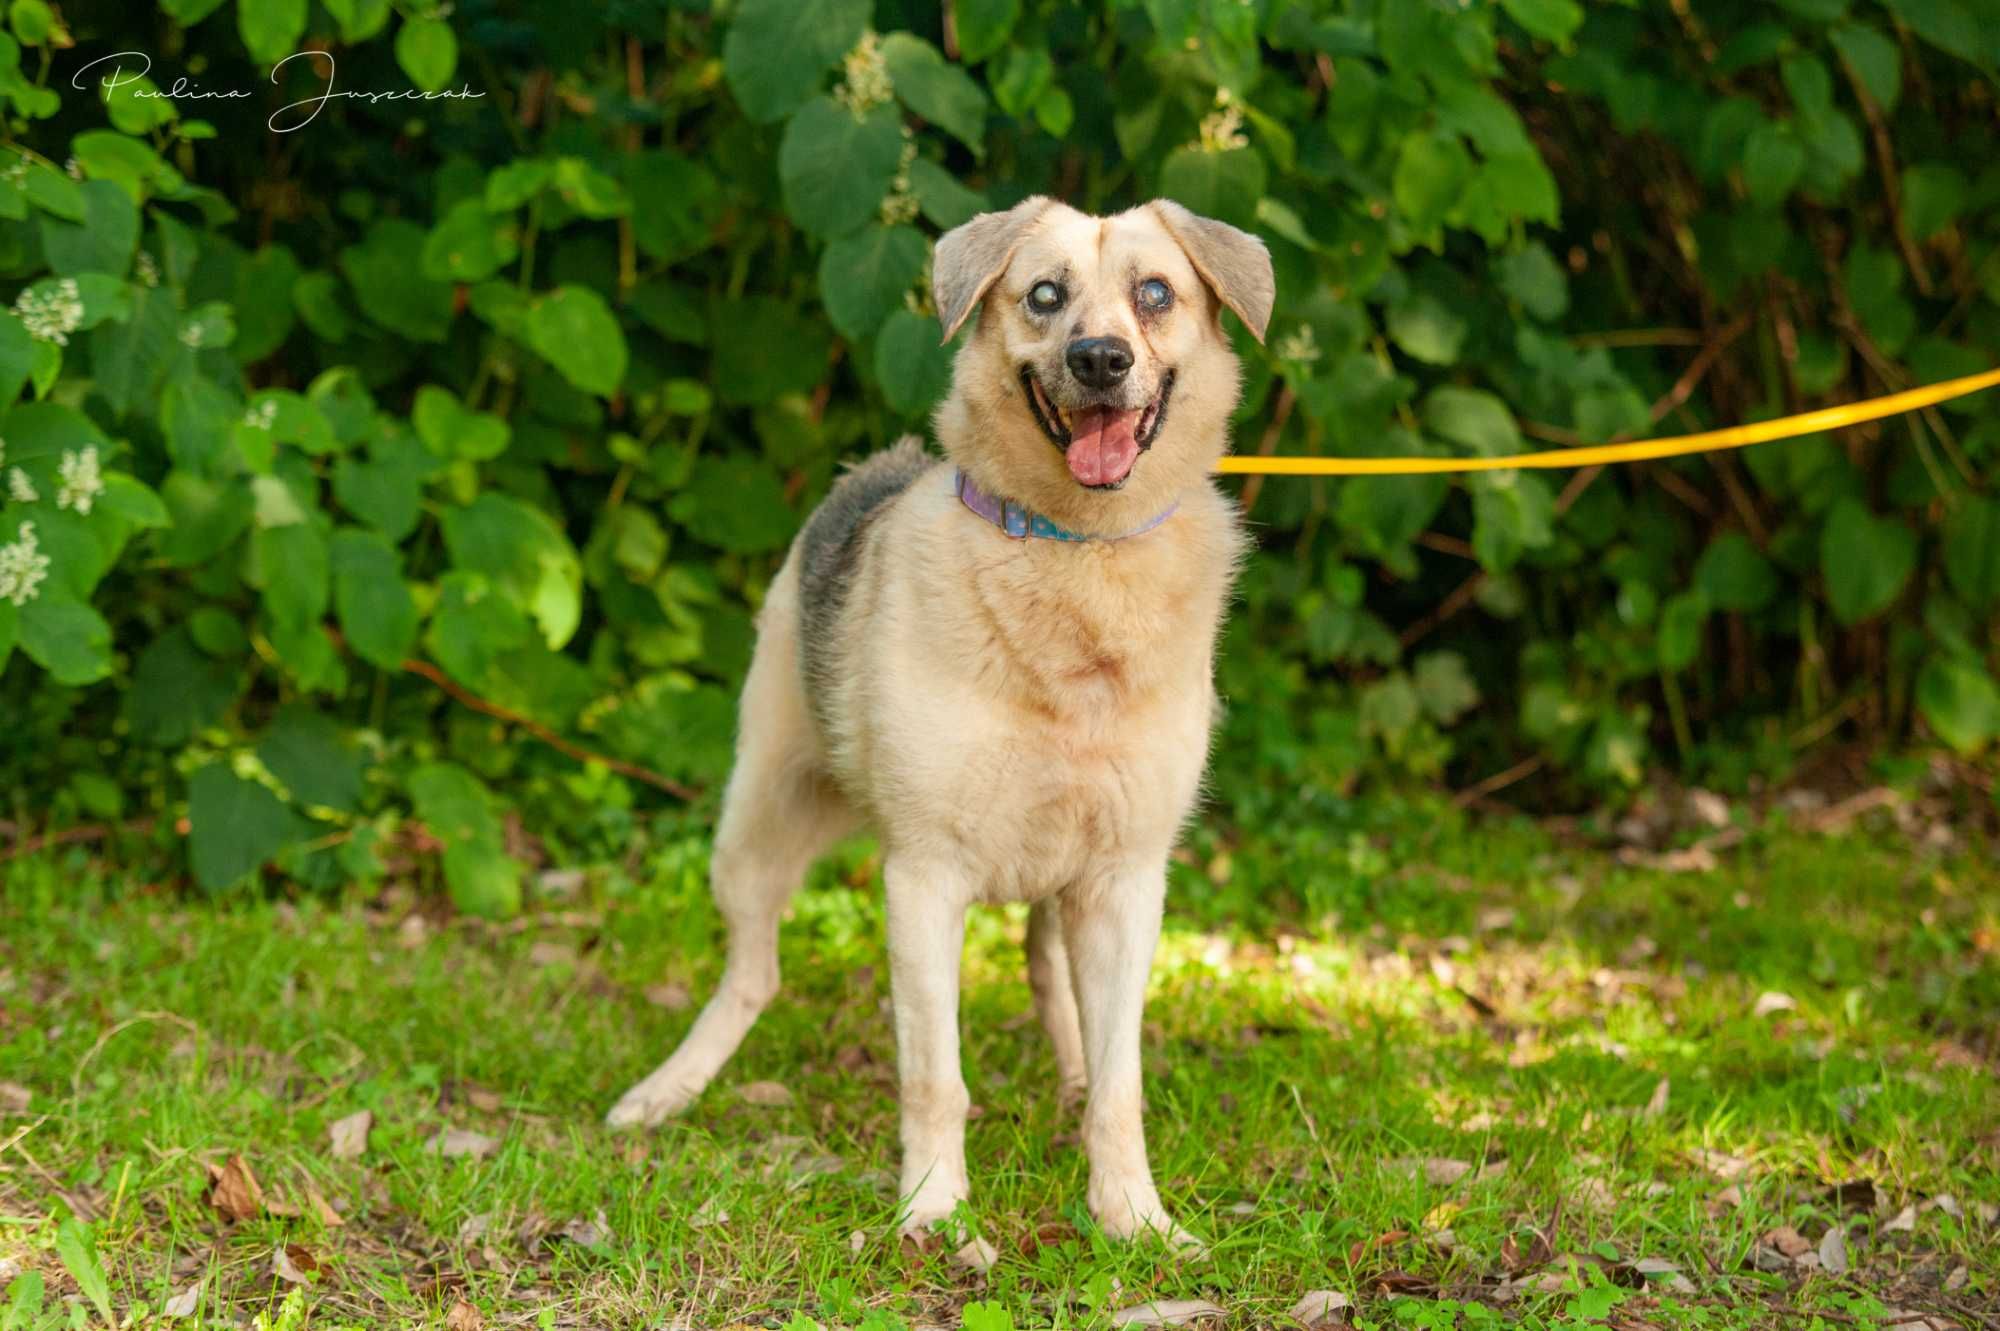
(1045, 298)
(1155, 294)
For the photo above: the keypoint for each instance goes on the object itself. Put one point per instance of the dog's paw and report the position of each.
(1135, 1224)
(978, 1255)
(646, 1107)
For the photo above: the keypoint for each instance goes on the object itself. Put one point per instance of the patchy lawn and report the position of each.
(1476, 1075)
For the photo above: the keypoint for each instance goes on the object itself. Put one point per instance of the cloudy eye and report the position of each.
(1155, 294)
(1045, 297)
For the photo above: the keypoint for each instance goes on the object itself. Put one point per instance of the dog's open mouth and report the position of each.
(1100, 443)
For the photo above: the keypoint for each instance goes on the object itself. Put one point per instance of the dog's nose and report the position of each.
(1099, 362)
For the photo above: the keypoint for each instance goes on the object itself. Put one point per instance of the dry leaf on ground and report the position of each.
(184, 1303)
(673, 997)
(349, 1136)
(1788, 1241)
(712, 1212)
(1321, 1305)
(1904, 1222)
(766, 1093)
(1657, 1104)
(1721, 1164)
(1771, 1001)
(1661, 1271)
(473, 1228)
(293, 1264)
(233, 1190)
(14, 1097)
(454, 1142)
(1833, 1250)
(588, 1233)
(324, 1209)
(1166, 1312)
(463, 1317)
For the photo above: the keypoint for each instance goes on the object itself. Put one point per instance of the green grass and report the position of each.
(1456, 991)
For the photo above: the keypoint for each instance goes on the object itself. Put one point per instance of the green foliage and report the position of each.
(537, 384)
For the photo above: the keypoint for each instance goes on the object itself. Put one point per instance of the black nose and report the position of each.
(1099, 362)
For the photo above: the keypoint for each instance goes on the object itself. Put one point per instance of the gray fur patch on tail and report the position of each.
(830, 549)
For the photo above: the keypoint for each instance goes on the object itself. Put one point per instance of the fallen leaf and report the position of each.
(1721, 1164)
(1788, 1241)
(1833, 1250)
(711, 1213)
(349, 1136)
(1517, 1258)
(1321, 1305)
(233, 1190)
(14, 1097)
(1728, 1199)
(184, 1303)
(1597, 1194)
(673, 997)
(473, 1228)
(324, 1209)
(1905, 1222)
(588, 1233)
(856, 1241)
(1771, 1001)
(1661, 1271)
(768, 1094)
(1988, 1212)
(1947, 1203)
(1404, 1283)
(1956, 1281)
(293, 1264)
(463, 1317)
(485, 1101)
(1657, 1104)
(1166, 1312)
(454, 1142)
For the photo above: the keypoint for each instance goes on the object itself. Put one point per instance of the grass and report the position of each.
(1478, 1077)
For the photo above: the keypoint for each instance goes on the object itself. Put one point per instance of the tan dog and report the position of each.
(1019, 717)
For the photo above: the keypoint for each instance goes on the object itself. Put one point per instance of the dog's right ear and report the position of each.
(970, 258)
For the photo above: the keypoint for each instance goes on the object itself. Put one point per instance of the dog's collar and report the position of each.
(1021, 524)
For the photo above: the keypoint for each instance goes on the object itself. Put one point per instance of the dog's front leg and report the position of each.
(926, 907)
(1110, 929)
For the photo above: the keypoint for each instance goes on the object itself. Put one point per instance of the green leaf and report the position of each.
(450, 431)
(1972, 550)
(835, 167)
(470, 244)
(386, 490)
(1960, 701)
(574, 330)
(235, 826)
(70, 641)
(372, 601)
(482, 880)
(1473, 419)
(295, 567)
(1426, 328)
(177, 691)
(79, 1257)
(778, 51)
(863, 277)
(1512, 513)
(514, 184)
(1445, 686)
(521, 552)
(1773, 161)
(473, 626)
(913, 370)
(102, 241)
(1866, 561)
(1934, 194)
(385, 270)
(1949, 25)
(941, 93)
(736, 504)
(746, 374)
(1734, 575)
(427, 49)
(1681, 621)
(983, 26)
(677, 203)
(1432, 171)
(1876, 59)
(589, 191)
(1551, 20)
(271, 28)
(459, 811)
(1223, 185)
(307, 751)
(1532, 276)
(359, 19)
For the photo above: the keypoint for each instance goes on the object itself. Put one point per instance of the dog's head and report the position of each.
(1099, 383)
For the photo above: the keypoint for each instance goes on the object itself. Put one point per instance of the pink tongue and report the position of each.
(1103, 445)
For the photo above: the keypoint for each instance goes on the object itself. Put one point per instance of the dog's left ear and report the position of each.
(1234, 263)
(971, 257)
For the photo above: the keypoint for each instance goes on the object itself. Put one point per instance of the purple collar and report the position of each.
(1020, 524)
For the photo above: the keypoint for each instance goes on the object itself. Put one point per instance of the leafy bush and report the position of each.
(529, 383)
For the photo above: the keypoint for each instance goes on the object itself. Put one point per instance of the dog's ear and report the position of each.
(1234, 263)
(971, 257)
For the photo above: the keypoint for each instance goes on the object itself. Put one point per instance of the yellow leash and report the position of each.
(1640, 450)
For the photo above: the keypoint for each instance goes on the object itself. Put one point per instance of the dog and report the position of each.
(1002, 663)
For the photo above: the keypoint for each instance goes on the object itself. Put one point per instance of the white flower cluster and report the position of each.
(1222, 128)
(81, 482)
(190, 336)
(51, 317)
(74, 168)
(1299, 345)
(20, 489)
(867, 84)
(22, 567)
(147, 269)
(263, 415)
(900, 205)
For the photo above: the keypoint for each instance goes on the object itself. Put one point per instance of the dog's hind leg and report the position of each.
(778, 815)
(1055, 996)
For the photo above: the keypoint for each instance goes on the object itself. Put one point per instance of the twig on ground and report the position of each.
(1527, 767)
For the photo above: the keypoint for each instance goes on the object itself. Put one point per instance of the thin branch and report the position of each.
(1499, 781)
(1268, 445)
